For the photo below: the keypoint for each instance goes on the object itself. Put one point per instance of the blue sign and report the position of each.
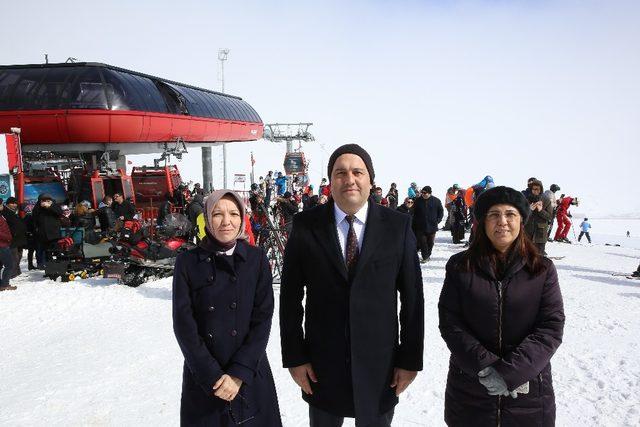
(5, 187)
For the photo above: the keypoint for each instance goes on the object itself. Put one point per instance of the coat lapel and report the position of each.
(327, 236)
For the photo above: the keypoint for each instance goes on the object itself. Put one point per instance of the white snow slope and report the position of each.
(96, 353)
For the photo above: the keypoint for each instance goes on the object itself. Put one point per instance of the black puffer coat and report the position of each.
(46, 222)
(514, 325)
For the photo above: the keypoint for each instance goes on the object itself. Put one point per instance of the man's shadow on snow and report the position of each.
(618, 281)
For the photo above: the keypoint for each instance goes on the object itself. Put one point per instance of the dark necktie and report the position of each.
(352, 247)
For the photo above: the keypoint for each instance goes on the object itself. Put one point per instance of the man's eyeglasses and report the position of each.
(236, 419)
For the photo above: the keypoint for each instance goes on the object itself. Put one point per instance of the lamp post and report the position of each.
(222, 56)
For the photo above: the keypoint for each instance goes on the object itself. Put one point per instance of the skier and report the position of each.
(563, 215)
(584, 229)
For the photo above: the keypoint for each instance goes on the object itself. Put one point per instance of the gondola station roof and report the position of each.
(96, 107)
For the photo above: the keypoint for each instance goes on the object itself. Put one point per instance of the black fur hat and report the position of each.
(501, 196)
(352, 149)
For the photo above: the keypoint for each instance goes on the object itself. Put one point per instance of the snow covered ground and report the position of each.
(96, 353)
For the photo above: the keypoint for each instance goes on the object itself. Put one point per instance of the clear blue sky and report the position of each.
(438, 92)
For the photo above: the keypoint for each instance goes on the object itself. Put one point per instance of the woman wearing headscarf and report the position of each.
(222, 310)
(502, 317)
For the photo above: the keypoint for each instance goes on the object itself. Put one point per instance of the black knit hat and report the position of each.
(501, 196)
(352, 149)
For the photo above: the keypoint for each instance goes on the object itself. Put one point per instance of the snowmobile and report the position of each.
(74, 257)
(139, 257)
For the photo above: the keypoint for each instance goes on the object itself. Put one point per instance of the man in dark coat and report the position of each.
(123, 209)
(427, 214)
(195, 208)
(46, 221)
(165, 209)
(353, 257)
(288, 208)
(105, 214)
(18, 230)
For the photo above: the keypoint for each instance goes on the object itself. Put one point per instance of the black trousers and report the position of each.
(425, 243)
(584, 233)
(320, 418)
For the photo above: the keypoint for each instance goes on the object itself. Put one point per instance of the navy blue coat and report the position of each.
(351, 335)
(516, 331)
(222, 310)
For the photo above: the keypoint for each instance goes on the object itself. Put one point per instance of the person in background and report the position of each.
(288, 208)
(46, 220)
(67, 216)
(18, 231)
(106, 216)
(452, 193)
(584, 229)
(407, 206)
(412, 191)
(527, 191)
(269, 184)
(281, 184)
(392, 196)
(562, 216)
(458, 217)
(197, 189)
(541, 213)
(551, 195)
(427, 214)
(323, 199)
(165, 209)
(123, 209)
(501, 315)
(309, 200)
(6, 259)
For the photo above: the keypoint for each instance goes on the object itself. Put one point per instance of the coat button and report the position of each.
(234, 333)
(209, 259)
(233, 305)
(210, 335)
(211, 278)
(233, 279)
(212, 308)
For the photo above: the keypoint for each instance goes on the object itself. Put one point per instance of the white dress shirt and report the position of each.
(342, 226)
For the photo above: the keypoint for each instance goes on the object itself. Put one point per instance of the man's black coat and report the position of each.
(351, 335)
(125, 209)
(427, 214)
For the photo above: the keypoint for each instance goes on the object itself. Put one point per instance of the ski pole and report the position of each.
(574, 232)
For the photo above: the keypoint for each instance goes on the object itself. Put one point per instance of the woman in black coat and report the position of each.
(502, 317)
(222, 310)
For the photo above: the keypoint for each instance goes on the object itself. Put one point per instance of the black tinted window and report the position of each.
(86, 91)
(48, 94)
